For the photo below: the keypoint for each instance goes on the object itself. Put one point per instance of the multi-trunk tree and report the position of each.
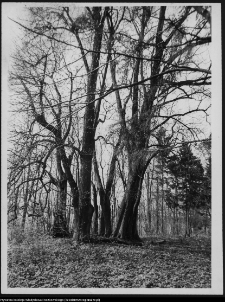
(46, 77)
(141, 62)
(162, 73)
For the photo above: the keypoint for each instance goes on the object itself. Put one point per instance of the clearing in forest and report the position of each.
(50, 263)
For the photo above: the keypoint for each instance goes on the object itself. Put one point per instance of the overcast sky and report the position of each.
(11, 33)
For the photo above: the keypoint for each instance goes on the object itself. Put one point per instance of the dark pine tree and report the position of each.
(186, 184)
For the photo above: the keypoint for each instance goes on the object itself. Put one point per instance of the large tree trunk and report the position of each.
(120, 217)
(149, 197)
(60, 226)
(102, 195)
(128, 230)
(108, 191)
(105, 194)
(95, 217)
(102, 218)
(126, 227)
(86, 209)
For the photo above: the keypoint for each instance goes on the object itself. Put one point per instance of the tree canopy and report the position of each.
(99, 92)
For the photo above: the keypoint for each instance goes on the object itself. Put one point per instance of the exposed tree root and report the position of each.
(99, 239)
(158, 242)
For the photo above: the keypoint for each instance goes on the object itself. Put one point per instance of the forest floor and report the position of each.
(44, 262)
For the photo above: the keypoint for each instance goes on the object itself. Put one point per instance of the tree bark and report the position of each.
(162, 209)
(148, 210)
(86, 209)
(120, 217)
(60, 226)
(157, 208)
(105, 194)
(131, 201)
(95, 217)
(26, 200)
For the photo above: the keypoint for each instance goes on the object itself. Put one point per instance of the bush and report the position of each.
(16, 235)
(28, 247)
